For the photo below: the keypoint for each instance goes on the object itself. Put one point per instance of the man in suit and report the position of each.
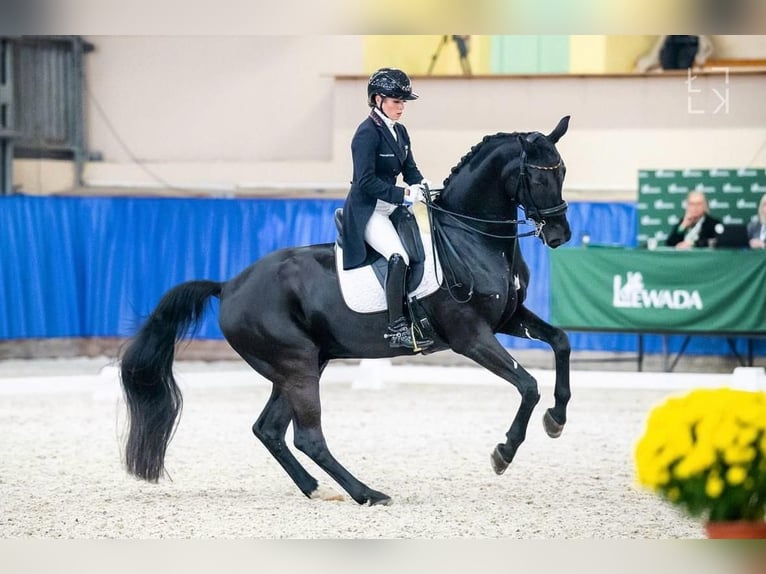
(756, 229)
(697, 228)
(381, 151)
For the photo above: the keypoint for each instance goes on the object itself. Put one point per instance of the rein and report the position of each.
(440, 242)
(457, 217)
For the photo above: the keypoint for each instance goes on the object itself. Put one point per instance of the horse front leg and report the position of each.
(527, 325)
(484, 349)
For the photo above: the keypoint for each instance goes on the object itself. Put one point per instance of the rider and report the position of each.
(380, 151)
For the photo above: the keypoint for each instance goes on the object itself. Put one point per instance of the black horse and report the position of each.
(285, 316)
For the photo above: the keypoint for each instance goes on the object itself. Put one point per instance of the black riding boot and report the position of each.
(399, 333)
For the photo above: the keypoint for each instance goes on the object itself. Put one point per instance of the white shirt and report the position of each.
(388, 121)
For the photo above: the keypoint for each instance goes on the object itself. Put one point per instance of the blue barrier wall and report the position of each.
(94, 267)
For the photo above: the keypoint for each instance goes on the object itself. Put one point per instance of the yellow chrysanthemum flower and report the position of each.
(714, 486)
(701, 450)
(736, 475)
(738, 455)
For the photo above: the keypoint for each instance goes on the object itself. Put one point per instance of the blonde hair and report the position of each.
(699, 194)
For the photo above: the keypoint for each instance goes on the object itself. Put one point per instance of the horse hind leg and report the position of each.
(270, 429)
(303, 395)
(295, 398)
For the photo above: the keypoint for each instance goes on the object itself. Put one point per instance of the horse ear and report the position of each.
(559, 130)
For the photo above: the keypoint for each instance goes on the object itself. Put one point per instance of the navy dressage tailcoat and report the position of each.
(378, 160)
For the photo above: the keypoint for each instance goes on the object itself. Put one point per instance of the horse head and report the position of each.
(508, 170)
(538, 188)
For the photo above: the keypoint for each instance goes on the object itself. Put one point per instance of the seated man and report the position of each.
(697, 228)
(756, 229)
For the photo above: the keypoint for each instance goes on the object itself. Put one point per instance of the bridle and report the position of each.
(524, 198)
(528, 204)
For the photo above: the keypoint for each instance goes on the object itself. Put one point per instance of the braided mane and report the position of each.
(473, 151)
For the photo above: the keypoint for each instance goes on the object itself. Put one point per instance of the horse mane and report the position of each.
(475, 150)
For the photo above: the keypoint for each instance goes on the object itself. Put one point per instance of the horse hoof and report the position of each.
(327, 493)
(499, 464)
(551, 426)
(378, 498)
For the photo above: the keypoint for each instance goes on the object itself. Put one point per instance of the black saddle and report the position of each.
(407, 228)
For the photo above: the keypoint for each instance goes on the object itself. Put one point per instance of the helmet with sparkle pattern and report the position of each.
(391, 83)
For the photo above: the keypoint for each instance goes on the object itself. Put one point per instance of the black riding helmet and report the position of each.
(389, 82)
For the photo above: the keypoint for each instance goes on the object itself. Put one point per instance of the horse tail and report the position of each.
(146, 372)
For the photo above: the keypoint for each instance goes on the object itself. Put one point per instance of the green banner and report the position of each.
(663, 290)
(732, 195)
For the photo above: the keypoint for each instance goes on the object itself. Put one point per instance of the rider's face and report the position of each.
(392, 107)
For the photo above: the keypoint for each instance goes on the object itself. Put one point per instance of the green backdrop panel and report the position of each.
(732, 194)
(655, 291)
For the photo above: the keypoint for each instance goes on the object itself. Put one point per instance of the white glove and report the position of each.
(427, 183)
(413, 193)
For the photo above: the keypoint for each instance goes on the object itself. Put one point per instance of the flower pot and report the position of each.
(736, 529)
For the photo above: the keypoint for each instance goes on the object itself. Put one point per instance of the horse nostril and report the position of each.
(555, 242)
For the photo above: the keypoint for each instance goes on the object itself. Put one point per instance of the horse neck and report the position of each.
(482, 191)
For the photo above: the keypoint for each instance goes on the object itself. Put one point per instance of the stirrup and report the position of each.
(416, 334)
(420, 342)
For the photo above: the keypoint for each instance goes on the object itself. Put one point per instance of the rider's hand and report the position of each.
(413, 193)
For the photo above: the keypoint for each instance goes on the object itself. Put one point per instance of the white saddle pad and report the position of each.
(362, 291)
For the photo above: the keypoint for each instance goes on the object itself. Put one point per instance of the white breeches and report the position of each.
(380, 232)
